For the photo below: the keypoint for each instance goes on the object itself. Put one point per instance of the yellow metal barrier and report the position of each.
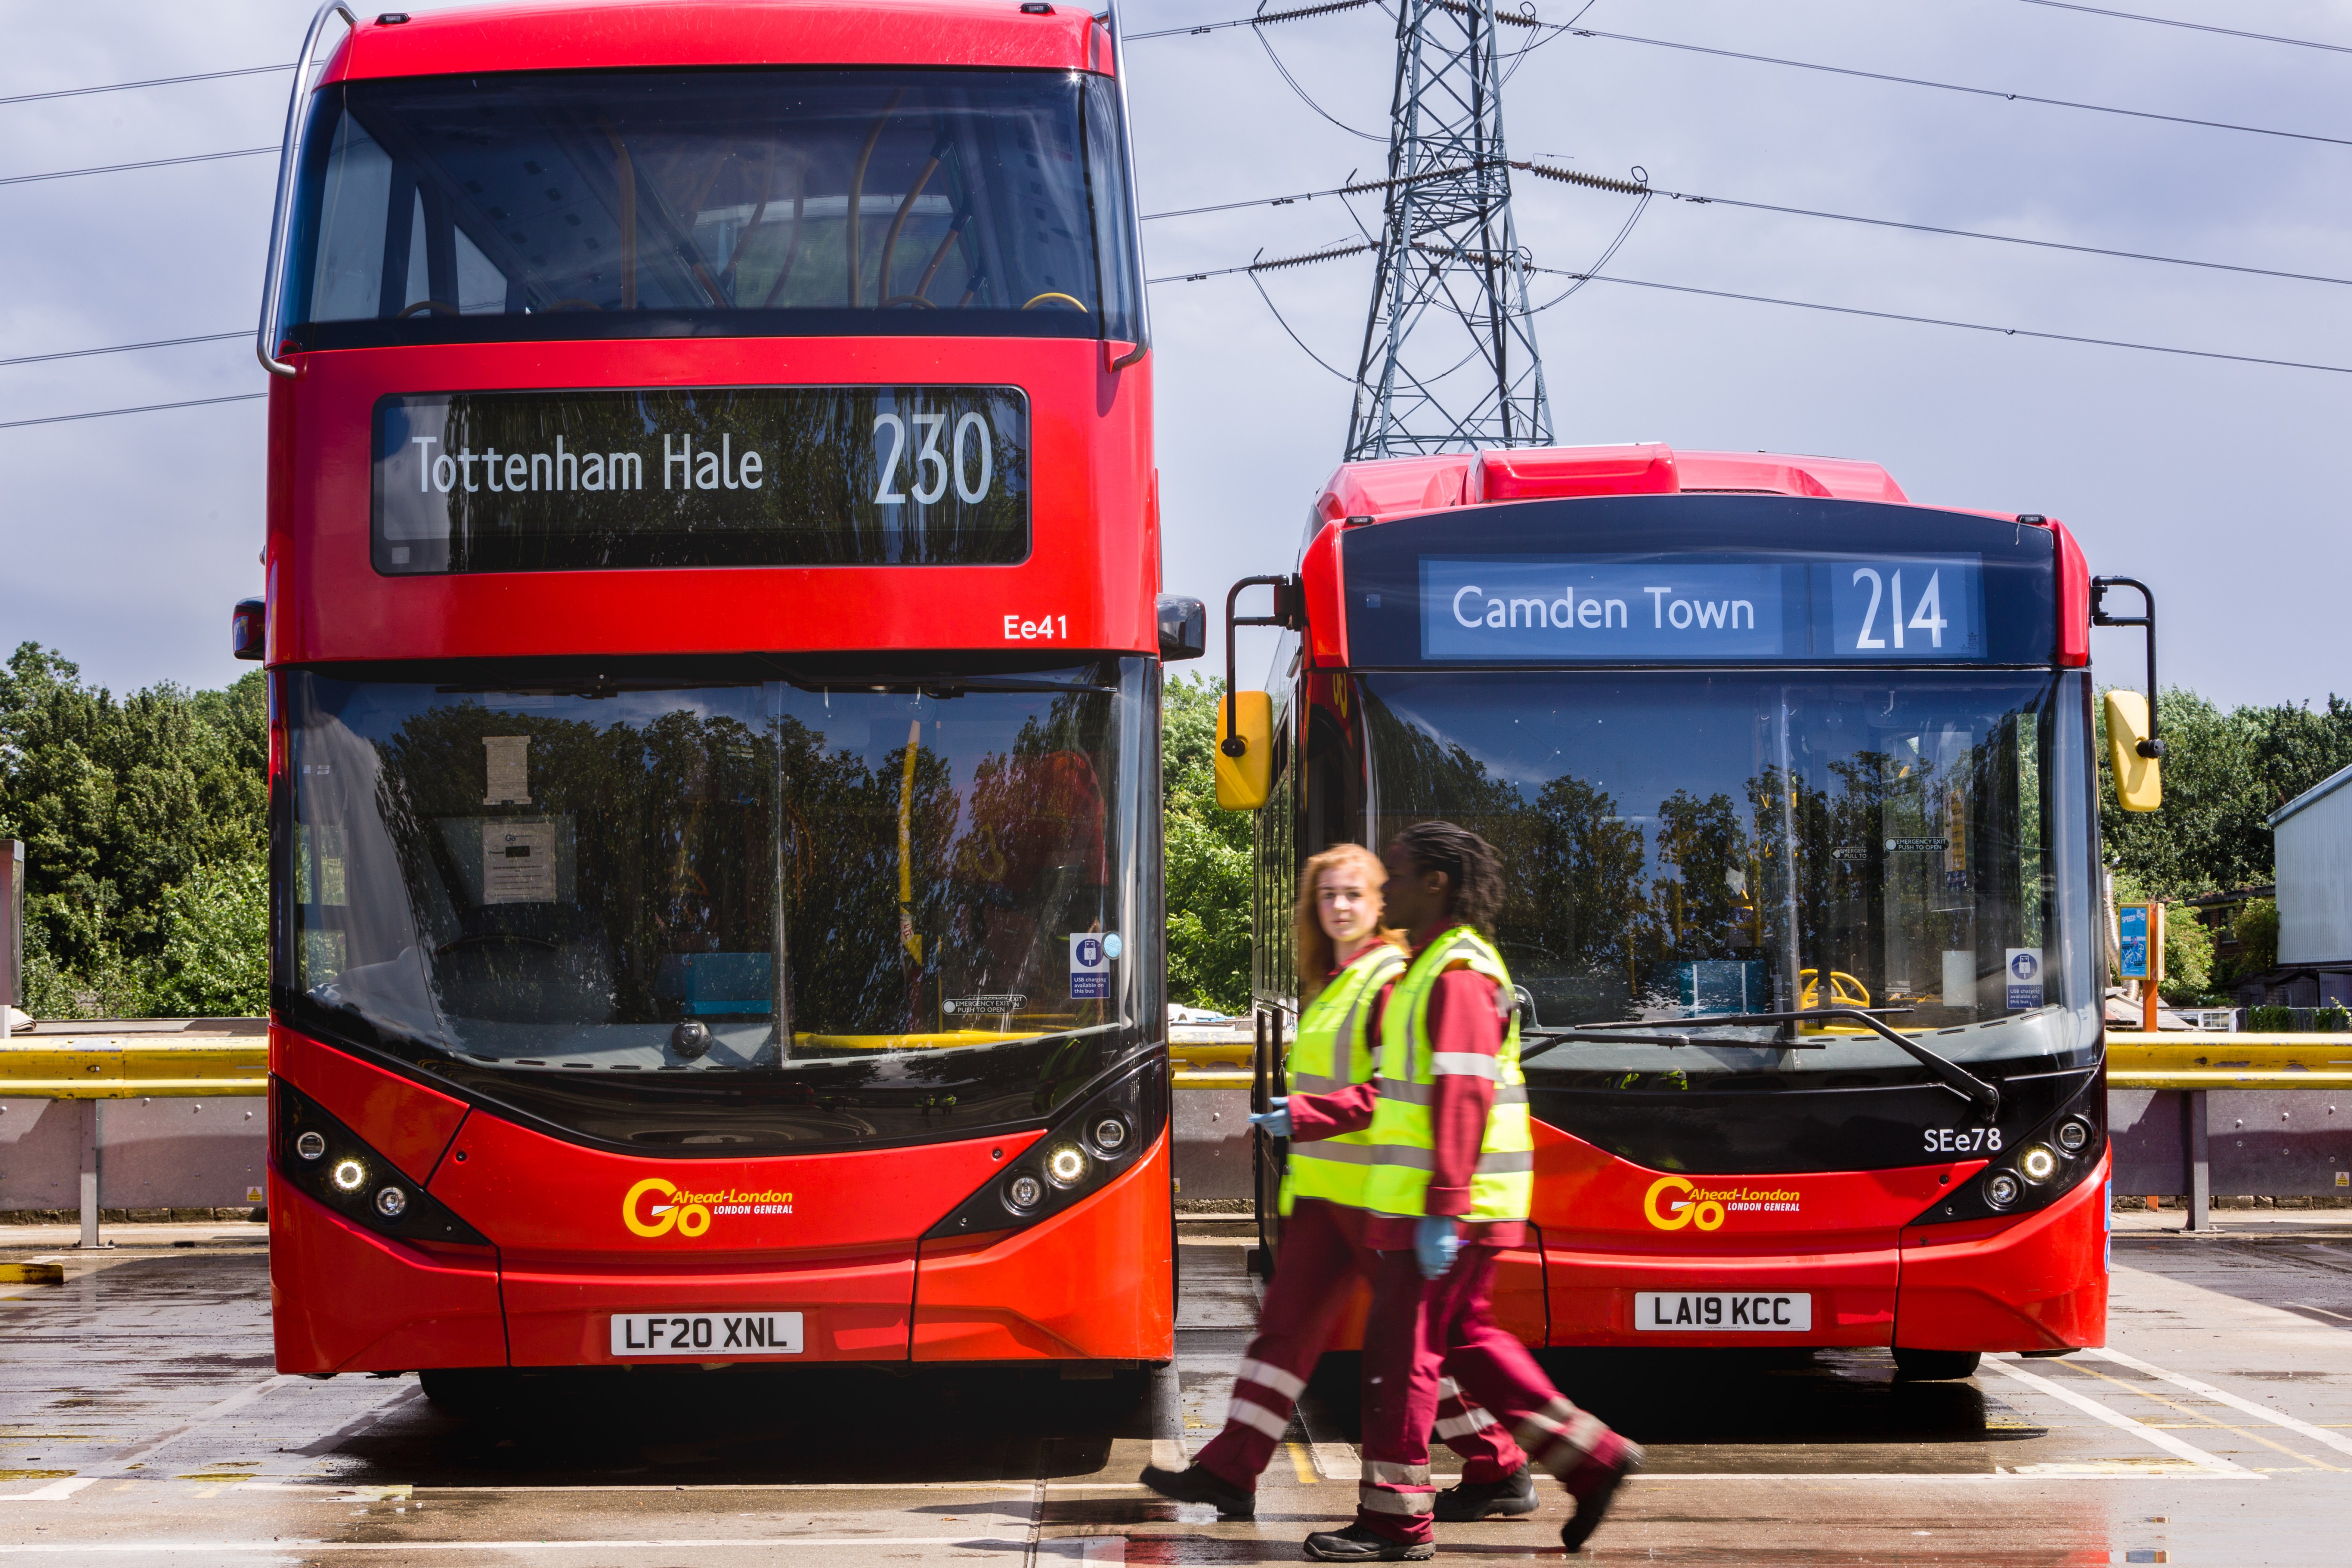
(2192, 1061)
(95, 1067)
(1208, 1078)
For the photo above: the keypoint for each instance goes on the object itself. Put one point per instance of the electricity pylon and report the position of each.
(1449, 361)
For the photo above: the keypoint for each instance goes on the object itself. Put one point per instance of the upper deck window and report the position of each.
(726, 203)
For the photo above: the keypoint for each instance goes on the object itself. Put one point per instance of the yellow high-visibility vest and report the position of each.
(1403, 1131)
(1333, 1051)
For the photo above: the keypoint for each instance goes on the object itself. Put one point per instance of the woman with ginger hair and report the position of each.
(1346, 964)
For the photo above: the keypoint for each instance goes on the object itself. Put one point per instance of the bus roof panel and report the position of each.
(1396, 486)
(714, 33)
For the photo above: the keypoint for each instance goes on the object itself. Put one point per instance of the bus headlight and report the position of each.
(2073, 1136)
(1066, 1164)
(2039, 1162)
(1091, 1143)
(326, 1162)
(2002, 1190)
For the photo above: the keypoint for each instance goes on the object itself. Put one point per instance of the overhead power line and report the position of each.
(126, 348)
(1573, 31)
(1970, 91)
(151, 81)
(1264, 19)
(2192, 26)
(142, 408)
(148, 163)
(1964, 326)
(1636, 188)
(1582, 278)
(1572, 177)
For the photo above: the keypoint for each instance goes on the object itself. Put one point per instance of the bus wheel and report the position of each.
(1927, 1367)
(466, 1390)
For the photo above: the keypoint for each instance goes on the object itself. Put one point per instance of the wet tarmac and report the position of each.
(139, 1420)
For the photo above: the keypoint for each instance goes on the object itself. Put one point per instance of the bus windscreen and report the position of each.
(717, 202)
(1681, 845)
(657, 909)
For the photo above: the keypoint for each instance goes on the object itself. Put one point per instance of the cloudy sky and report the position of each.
(125, 539)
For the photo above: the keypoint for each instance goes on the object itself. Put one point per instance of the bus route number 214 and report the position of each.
(1044, 628)
(1961, 1139)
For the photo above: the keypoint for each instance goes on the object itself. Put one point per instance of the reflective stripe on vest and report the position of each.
(1403, 1133)
(1332, 1052)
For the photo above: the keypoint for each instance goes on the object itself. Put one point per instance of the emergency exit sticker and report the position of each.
(1091, 954)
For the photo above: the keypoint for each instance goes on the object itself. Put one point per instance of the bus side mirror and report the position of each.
(1183, 628)
(1244, 751)
(249, 630)
(2139, 778)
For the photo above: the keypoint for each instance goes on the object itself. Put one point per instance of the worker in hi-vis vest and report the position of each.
(1347, 964)
(1452, 1171)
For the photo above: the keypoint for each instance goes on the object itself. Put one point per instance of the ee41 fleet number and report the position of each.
(1044, 628)
(1961, 1139)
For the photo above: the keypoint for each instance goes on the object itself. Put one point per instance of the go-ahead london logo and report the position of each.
(655, 1207)
(1672, 1202)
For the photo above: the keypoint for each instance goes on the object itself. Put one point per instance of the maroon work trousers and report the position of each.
(1321, 1259)
(1422, 1332)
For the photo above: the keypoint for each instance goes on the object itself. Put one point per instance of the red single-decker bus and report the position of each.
(1793, 781)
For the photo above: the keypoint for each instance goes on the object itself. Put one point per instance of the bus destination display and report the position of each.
(814, 476)
(1567, 608)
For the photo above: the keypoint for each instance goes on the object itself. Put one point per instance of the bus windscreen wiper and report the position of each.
(1955, 1077)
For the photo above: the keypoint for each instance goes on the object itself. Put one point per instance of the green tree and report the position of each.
(119, 804)
(2187, 958)
(1209, 856)
(216, 950)
(2257, 930)
(2224, 774)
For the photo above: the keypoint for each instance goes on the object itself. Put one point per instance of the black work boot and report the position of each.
(1195, 1483)
(1594, 1486)
(1358, 1544)
(1468, 1502)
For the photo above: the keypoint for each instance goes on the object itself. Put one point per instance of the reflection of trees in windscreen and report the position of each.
(919, 905)
(658, 839)
(1905, 854)
(1599, 914)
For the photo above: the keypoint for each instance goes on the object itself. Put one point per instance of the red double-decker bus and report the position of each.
(1793, 783)
(714, 654)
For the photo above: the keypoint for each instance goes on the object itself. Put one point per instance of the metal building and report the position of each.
(2313, 837)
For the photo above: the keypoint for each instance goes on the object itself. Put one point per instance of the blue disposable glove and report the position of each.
(1434, 1245)
(1273, 1122)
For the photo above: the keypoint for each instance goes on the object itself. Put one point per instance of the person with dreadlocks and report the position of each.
(1347, 962)
(1451, 1176)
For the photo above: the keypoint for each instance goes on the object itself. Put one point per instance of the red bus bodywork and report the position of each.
(1605, 1227)
(1093, 1283)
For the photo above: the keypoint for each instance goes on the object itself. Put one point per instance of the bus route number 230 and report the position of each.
(1961, 1139)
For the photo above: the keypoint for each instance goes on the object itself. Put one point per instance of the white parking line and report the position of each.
(2117, 1419)
(55, 1491)
(2221, 1396)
